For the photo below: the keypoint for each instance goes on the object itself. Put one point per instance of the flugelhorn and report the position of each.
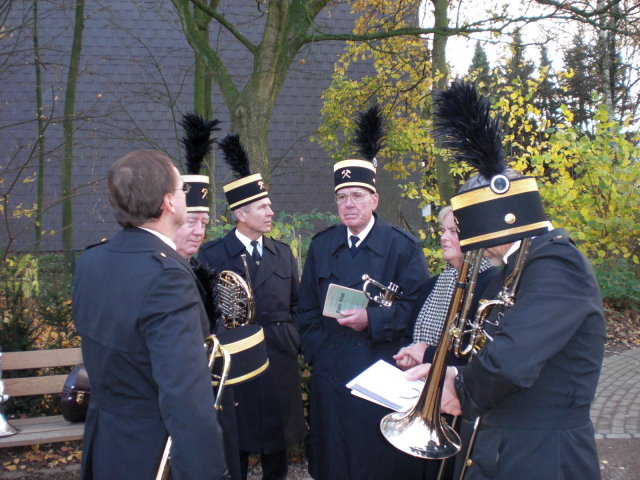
(387, 294)
(421, 431)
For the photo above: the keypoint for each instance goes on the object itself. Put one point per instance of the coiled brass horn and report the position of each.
(421, 431)
(387, 294)
(235, 299)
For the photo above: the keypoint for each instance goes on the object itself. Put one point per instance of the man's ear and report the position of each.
(241, 215)
(168, 203)
(374, 200)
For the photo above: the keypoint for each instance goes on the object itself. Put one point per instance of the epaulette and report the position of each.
(405, 233)
(279, 241)
(321, 232)
(561, 238)
(101, 242)
(211, 243)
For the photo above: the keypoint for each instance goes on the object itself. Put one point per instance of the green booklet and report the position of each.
(341, 298)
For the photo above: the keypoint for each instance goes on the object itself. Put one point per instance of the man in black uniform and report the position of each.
(346, 442)
(269, 409)
(197, 142)
(534, 381)
(142, 324)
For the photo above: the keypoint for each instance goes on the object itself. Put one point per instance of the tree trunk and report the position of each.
(606, 58)
(202, 97)
(446, 186)
(40, 180)
(250, 108)
(69, 112)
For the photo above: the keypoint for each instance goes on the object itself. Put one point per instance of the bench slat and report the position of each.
(48, 430)
(41, 358)
(20, 387)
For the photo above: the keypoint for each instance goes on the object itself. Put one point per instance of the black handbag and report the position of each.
(75, 395)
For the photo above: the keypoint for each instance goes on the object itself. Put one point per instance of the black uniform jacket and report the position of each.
(534, 383)
(269, 413)
(138, 311)
(346, 442)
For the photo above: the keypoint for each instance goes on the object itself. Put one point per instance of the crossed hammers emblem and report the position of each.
(261, 185)
(346, 173)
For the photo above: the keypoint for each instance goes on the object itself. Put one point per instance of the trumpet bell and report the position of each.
(412, 434)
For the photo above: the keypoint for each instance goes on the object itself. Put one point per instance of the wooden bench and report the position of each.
(46, 429)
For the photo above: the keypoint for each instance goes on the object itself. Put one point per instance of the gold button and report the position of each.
(509, 218)
(163, 255)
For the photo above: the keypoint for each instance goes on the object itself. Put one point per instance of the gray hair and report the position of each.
(444, 212)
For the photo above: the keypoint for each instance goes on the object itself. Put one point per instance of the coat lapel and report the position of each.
(268, 263)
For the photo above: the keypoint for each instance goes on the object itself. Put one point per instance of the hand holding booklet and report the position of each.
(341, 298)
(386, 385)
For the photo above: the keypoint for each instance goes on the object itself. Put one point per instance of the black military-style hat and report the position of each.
(248, 187)
(197, 143)
(369, 140)
(498, 205)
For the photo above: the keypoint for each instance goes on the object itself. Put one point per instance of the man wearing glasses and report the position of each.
(141, 320)
(345, 439)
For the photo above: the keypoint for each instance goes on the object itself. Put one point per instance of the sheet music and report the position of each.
(386, 385)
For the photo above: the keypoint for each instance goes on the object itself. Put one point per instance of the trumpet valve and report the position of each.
(455, 332)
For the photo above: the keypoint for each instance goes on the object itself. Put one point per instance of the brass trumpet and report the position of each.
(387, 294)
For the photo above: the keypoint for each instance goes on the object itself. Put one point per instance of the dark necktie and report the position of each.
(354, 240)
(255, 254)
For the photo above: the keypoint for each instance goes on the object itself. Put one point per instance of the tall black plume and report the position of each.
(235, 155)
(207, 278)
(464, 124)
(369, 136)
(197, 140)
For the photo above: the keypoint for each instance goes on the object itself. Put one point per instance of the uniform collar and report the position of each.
(161, 236)
(363, 234)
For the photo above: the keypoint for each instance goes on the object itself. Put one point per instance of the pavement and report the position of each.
(616, 416)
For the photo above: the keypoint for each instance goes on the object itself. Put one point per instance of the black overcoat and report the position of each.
(346, 442)
(534, 383)
(227, 413)
(269, 409)
(141, 320)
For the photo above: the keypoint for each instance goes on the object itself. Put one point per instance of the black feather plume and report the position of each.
(370, 132)
(207, 278)
(464, 124)
(235, 155)
(197, 140)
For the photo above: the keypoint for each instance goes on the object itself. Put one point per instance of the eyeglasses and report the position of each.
(356, 197)
(186, 187)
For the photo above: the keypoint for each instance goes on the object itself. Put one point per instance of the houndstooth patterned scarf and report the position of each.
(434, 310)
